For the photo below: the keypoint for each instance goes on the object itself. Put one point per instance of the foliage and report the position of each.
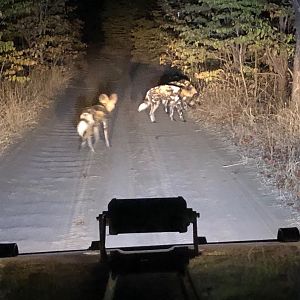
(226, 33)
(243, 37)
(142, 52)
(36, 34)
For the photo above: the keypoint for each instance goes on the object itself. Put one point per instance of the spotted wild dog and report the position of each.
(172, 96)
(186, 101)
(92, 117)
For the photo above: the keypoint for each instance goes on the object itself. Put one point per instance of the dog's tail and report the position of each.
(143, 106)
(82, 128)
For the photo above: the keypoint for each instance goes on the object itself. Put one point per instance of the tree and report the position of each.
(36, 33)
(243, 38)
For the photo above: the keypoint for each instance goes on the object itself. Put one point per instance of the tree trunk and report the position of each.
(296, 71)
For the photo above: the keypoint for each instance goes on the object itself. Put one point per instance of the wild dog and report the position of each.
(186, 101)
(92, 117)
(171, 96)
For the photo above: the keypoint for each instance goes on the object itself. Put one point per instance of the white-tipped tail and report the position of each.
(143, 106)
(82, 128)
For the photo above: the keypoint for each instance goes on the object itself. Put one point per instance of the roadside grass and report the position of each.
(260, 271)
(267, 130)
(21, 104)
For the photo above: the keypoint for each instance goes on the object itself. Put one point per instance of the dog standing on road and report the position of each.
(172, 96)
(95, 116)
(186, 101)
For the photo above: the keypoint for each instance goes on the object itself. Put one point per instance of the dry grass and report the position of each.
(247, 271)
(267, 131)
(21, 104)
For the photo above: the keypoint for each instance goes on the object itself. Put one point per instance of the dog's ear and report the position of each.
(113, 98)
(111, 103)
(103, 98)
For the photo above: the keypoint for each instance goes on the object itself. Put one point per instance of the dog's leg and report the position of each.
(166, 105)
(105, 129)
(166, 108)
(184, 103)
(90, 143)
(180, 111)
(96, 133)
(154, 107)
(171, 112)
(83, 142)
